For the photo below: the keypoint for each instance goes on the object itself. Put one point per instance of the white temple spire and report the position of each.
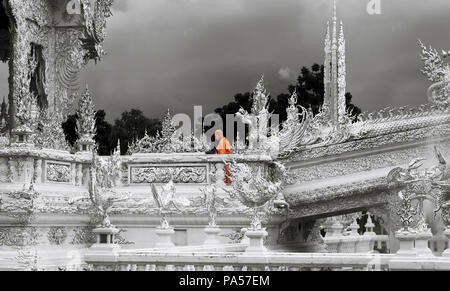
(335, 70)
(342, 71)
(334, 10)
(334, 21)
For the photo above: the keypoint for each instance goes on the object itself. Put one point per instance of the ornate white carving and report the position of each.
(258, 121)
(169, 140)
(256, 188)
(102, 195)
(164, 174)
(438, 72)
(86, 119)
(165, 200)
(58, 172)
(209, 196)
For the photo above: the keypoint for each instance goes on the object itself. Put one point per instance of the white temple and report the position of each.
(336, 194)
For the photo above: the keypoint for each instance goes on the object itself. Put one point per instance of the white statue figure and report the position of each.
(258, 118)
(102, 196)
(165, 200)
(209, 198)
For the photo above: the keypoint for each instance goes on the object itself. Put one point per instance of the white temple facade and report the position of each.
(326, 192)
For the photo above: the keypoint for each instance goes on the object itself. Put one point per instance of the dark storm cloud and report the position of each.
(179, 53)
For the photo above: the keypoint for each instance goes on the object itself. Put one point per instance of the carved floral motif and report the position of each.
(60, 173)
(83, 236)
(57, 235)
(19, 236)
(149, 175)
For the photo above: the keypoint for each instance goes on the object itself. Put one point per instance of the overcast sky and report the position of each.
(179, 53)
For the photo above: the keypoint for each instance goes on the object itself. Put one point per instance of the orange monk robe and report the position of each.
(224, 148)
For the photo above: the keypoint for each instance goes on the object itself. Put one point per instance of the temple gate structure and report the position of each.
(332, 184)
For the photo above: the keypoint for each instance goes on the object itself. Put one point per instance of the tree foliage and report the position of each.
(133, 125)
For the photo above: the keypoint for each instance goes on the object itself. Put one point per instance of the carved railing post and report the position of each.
(79, 175)
(11, 169)
(333, 237)
(37, 179)
(446, 216)
(354, 227)
(212, 231)
(164, 238)
(369, 226)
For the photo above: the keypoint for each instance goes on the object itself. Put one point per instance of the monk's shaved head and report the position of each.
(218, 135)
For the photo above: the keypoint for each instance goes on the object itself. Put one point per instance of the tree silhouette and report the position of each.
(103, 136)
(70, 129)
(133, 125)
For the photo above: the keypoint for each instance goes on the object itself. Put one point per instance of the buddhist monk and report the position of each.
(223, 148)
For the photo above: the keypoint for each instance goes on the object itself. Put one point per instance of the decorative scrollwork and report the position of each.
(155, 174)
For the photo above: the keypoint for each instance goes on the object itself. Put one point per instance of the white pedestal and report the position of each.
(333, 244)
(407, 240)
(446, 253)
(245, 239)
(349, 244)
(164, 238)
(406, 257)
(256, 241)
(212, 236)
(422, 239)
(105, 250)
(363, 244)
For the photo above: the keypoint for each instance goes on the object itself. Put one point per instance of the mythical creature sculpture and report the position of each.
(303, 128)
(295, 127)
(95, 27)
(258, 121)
(254, 189)
(102, 196)
(437, 69)
(444, 200)
(418, 186)
(166, 200)
(409, 173)
(441, 181)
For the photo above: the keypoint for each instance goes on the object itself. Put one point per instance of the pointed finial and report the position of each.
(334, 29)
(294, 98)
(334, 10)
(261, 80)
(341, 32)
